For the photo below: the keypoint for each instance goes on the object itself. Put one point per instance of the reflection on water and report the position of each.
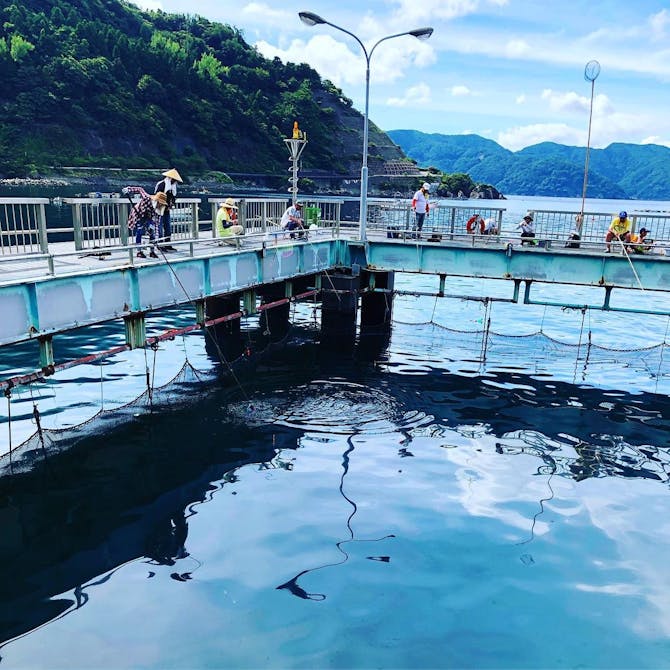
(417, 454)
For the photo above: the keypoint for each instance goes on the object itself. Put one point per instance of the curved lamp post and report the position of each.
(312, 19)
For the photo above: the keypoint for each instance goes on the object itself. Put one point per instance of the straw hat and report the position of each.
(173, 174)
(229, 203)
(160, 198)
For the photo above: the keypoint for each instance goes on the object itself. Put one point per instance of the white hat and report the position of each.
(426, 185)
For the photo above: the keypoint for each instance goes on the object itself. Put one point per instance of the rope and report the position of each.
(8, 395)
(579, 345)
(208, 333)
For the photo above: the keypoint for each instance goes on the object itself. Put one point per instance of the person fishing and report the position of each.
(168, 186)
(226, 219)
(145, 216)
(527, 229)
(619, 230)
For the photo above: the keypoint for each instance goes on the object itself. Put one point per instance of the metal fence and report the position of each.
(23, 225)
(397, 219)
(263, 215)
(102, 222)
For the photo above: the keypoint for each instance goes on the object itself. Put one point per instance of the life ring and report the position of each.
(471, 224)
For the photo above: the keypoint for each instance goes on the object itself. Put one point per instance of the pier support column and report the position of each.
(339, 309)
(227, 334)
(274, 321)
(377, 307)
(376, 316)
(136, 334)
(47, 360)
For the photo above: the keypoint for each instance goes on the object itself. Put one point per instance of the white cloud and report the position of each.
(444, 9)
(334, 60)
(659, 23)
(517, 49)
(263, 13)
(524, 136)
(655, 139)
(414, 96)
(460, 91)
(520, 99)
(148, 4)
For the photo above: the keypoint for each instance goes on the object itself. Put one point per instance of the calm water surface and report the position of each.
(409, 505)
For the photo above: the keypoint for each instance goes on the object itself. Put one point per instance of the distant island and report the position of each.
(621, 171)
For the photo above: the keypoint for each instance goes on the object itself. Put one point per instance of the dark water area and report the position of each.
(144, 499)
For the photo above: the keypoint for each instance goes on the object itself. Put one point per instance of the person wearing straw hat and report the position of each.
(145, 216)
(168, 185)
(226, 219)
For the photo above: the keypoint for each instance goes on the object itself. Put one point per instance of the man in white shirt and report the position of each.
(292, 220)
(421, 207)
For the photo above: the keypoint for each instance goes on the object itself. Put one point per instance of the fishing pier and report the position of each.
(57, 278)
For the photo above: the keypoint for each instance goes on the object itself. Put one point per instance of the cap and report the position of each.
(644, 230)
(529, 215)
(298, 204)
(426, 185)
(623, 215)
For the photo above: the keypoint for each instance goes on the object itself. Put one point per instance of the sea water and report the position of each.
(438, 499)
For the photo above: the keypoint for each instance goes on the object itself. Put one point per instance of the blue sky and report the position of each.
(509, 70)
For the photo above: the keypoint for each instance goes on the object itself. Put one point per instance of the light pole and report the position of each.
(312, 19)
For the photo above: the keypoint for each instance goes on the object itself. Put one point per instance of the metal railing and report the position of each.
(263, 215)
(102, 222)
(398, 219)
(23, 227)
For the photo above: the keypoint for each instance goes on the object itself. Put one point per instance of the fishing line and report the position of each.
(625, 253)
(213, 339)
(579, 345)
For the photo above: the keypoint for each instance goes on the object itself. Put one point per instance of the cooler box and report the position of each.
(312, 216)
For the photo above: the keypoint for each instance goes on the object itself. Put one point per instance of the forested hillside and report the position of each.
(546, 169)
(99, 82)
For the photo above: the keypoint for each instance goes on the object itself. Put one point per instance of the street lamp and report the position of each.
(311, 19)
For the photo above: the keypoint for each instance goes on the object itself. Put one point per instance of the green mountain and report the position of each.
(102, 83)
(628, 171)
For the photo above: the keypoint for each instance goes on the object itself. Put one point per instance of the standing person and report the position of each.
(619, 229)
(527, 229)
(168, 185)
(421, 207)
(292, 220)
(226, 219)
(145, 216)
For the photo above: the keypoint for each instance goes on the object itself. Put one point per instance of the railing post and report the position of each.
(242, 214)
(195, 226)
(453, 222)
(42, 227)
(215, 209)
(264, 217)
(124, 213)
(76, 224)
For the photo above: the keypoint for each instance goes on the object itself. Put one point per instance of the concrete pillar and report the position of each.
(377, 307)
(274, 321)
(224, 338)
(339, 309)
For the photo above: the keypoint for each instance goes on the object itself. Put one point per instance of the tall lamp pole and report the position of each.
(312, 19)
(591, 72)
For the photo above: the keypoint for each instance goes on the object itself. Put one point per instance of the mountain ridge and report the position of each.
(619, 171)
